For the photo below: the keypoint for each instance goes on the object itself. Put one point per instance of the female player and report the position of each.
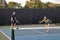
(47, 21)
(13, 20)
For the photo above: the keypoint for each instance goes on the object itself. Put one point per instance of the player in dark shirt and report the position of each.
(13, 20)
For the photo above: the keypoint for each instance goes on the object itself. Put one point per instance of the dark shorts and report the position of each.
(13, 22)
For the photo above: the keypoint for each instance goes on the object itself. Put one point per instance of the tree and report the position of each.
(3, 4)
(39, 4)
(19, 6)
(57, 5)
(27, 4)
(34, 4)
(11, 5)
(49, 5)
(14, 5)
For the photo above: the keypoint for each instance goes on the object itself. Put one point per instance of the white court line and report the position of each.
(5, 34)
(37, 35)
(30, 36)
(39, 32)
(38, 28)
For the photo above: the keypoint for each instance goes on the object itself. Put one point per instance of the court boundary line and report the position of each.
(39, 32)
(37, 35)
(5, 34)
(37, 28)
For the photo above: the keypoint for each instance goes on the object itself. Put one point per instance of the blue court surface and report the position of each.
(33, 34)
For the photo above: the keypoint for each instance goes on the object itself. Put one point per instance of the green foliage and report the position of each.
(19, 5)
(14, 5)
(38, 4)
(11, 5)
(57, 5)
(49, 5)
(29, 4)
(34, 4)
(3, 4)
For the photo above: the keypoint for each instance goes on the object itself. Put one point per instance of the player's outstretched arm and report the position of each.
(41, 21)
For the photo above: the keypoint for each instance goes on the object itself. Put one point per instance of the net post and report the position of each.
(12, 34)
